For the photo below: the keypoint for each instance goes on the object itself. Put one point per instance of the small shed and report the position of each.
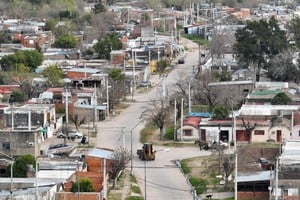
(190, 130)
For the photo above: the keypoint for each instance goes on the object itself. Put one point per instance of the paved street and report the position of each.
(163, 178)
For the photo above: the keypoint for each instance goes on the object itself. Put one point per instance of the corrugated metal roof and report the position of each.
(101, 153)
(290, 153)
(91, 107)
(265, 110)
(255, 176)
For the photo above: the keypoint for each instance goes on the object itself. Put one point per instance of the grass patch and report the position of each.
(136, 189)
(134, 198)
(115, 196)
(169, 134)
(199, 184)
(196, 38)
(184, 165)
(133, 179)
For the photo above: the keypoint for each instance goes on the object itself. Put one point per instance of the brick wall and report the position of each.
(96, 164)
(253, 195)
(74, 196)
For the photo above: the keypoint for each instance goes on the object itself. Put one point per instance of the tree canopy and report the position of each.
(106, 44)
(85, 185)
(66, 42)
(20, 166)
(281, 99)
(54, 75)
(294, 27)
(29, 59)
(259, 41)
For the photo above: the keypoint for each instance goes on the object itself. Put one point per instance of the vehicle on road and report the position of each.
(144, 84)
(56, 146)
(71, 135)
(181, 60)
(146, 153)
(265, 164)
(60, 149)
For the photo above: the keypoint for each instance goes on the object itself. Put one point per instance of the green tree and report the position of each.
(85, 185)
(161, 66)
(258, 42)
(20, 166)
(54, 75)
(50, 25)
(117, 78)
(5, 36)
(99, 7)
(281, 99)
(65, 41)
(18, 96)
(294, 27)
(32, 59)
(220, 112)
(28, 59)
(8, 62)
(106, 44)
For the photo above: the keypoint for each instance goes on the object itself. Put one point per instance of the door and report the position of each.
(224, 136)
(242, 136)
(202, 134)
(278, 136)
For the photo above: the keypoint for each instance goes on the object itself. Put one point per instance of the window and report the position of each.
(115, 58)
(259, 132)
(6, 145)
(187, 132)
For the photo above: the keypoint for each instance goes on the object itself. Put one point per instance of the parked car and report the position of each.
(71, 134)
(265, 164)
(181, 60)
(144, 84)
(56, 146)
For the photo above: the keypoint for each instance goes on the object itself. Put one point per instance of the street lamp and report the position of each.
(131, 138)
(107, 98)
(11, 172)
(78, 180)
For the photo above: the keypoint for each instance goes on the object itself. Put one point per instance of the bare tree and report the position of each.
(157, 112)
(228, 168)
(77, 120)
(203, 93)
(249, 128)
(119, 159)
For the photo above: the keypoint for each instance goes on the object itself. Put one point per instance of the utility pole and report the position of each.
(67, 115)
(190, 110)
(131, 149)
(36, 180)
(175, 121)
(107, 100)
(11, 173)
(181, 129)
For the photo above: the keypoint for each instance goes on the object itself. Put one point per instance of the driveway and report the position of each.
(160, 179)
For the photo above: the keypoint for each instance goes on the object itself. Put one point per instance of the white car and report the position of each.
(71, 134)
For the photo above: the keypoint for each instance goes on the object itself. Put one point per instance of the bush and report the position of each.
(169, 134)
(199, 184)
(185, 167)
(85, 185)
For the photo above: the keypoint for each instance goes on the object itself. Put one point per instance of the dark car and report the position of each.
(265, 164)
(181, 61)
(145, 84)
(56, 146)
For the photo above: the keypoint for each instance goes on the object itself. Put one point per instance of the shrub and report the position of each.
(199, 184)
(169, 134)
